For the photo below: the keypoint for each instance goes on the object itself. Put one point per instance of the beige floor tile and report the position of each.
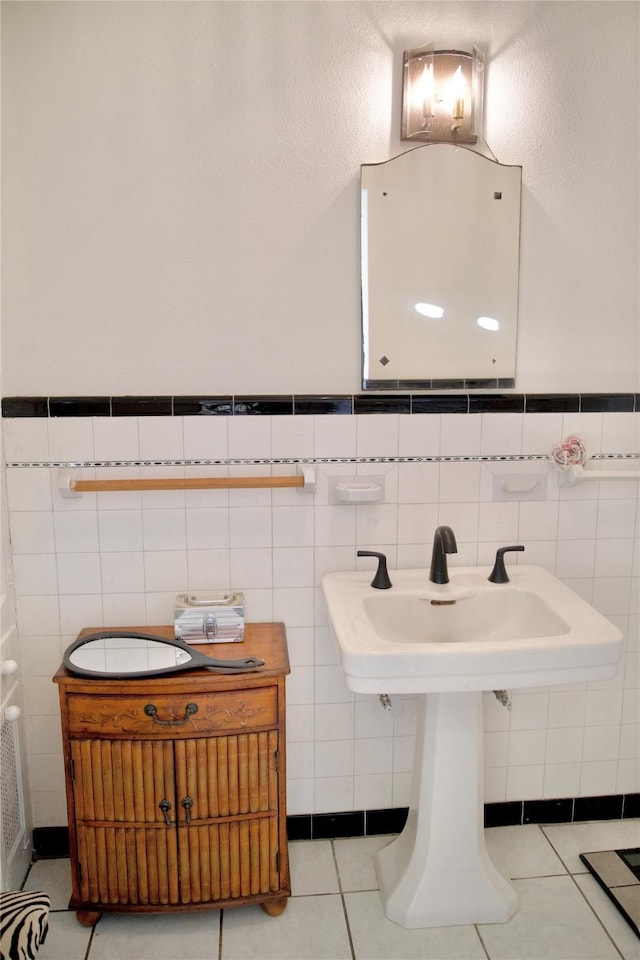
(377, 938)
(157, 936)
(66, 939)
(311, 928)
(356, 861)
(552, 921)
(313, 869)
(571, 839)
(54, 878)
(522, 851)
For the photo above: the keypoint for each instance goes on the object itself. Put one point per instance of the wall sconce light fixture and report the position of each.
(442, 95)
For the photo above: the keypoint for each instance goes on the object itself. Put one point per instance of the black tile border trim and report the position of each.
(369, 823)
(296, 405)
(54, 841)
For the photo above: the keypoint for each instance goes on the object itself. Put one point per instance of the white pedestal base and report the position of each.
(438, 872)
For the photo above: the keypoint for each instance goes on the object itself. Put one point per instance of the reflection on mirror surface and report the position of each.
(125, 655)
(429, 310)
(440, 257)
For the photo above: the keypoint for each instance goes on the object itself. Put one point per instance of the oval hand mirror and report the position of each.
(122, 654)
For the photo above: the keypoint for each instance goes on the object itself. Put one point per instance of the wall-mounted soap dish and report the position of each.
(356, 489)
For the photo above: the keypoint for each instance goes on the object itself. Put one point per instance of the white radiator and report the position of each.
(12, 819)
(14, 838)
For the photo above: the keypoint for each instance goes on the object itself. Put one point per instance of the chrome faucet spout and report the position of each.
(444, 542)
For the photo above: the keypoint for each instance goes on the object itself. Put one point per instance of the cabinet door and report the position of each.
(126, 843)
(227, 801)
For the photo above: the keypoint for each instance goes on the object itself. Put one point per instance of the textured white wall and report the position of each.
(180, 187)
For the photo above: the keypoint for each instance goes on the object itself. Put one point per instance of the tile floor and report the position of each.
(335, 911)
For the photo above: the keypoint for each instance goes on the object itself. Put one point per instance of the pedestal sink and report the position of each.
(447, 643)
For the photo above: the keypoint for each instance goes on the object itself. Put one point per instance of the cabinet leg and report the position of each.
(275, 907)
(88, 918)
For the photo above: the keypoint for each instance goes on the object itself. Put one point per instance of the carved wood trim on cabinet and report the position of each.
(165, 817)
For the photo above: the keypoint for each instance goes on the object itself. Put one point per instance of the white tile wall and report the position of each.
(120, 558)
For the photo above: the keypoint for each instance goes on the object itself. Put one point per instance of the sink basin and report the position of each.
(481, 617)
(468, 634)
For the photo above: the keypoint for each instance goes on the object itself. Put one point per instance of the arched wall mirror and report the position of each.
(114, 654)
(440, 244)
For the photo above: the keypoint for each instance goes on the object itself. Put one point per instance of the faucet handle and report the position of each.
(381, 580)
(499, 573)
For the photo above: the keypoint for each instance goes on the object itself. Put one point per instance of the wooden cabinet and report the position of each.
(176, 784)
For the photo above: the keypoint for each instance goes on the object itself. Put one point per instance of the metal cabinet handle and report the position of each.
(165, 806)
(187, 803)
(152, 711)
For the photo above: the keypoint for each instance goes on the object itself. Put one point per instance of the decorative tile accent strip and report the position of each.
(294, 461)
(321, 404)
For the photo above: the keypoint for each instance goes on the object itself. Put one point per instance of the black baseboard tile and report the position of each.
(50, 842)
(325, 826)
(548, 811)
(598, 808)
(378, 822)
(630, 806)
(299, 826)
(507, 814)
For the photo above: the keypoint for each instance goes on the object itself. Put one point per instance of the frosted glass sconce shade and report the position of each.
(442, 95)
